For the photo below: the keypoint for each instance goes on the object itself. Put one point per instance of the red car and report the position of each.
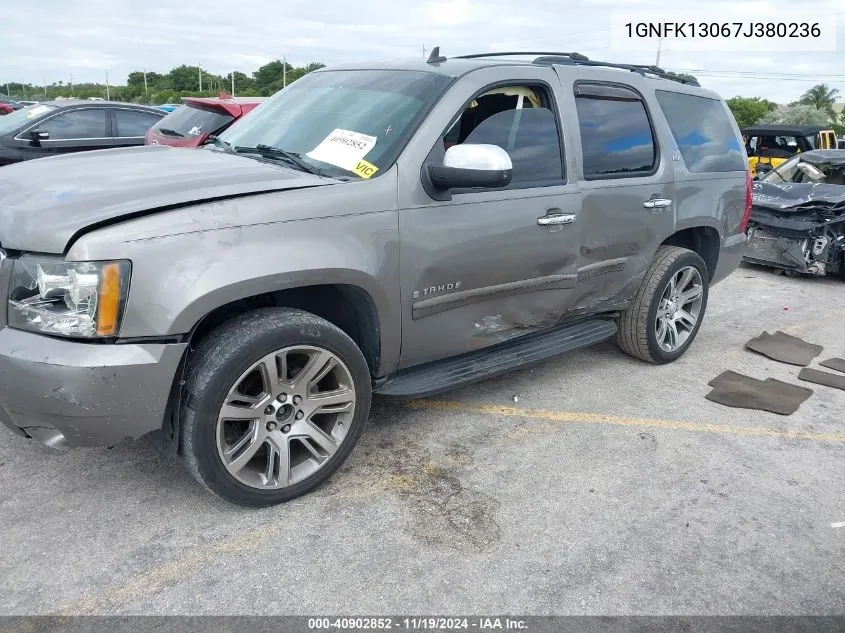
(7, 106)
(199, 117)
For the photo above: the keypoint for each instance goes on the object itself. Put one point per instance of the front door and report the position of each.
(487, 266)
(70, 131)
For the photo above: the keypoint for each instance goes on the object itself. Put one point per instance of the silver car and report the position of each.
(395, 229)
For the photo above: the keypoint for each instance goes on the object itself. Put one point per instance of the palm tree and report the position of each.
(822, 98)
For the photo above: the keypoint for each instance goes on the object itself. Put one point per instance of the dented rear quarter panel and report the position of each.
(188, 261)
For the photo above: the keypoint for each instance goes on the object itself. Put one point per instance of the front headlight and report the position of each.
(83, 299)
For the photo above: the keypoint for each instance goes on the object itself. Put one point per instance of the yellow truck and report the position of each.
(768, 146)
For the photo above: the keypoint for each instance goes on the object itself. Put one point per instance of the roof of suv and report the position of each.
(461, 65)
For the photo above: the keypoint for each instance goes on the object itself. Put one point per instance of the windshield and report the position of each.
(346, 123)
(799, 170)
(192, 120)
(19, 118)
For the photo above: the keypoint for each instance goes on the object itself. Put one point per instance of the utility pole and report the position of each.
(146, 92)
(71, 84)
(44, 79)
(284, 73)
(233, 83)
(108, 94)
(200, 73)
(659, 46)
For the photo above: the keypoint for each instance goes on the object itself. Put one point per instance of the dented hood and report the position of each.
(45, 202)
(798, 197)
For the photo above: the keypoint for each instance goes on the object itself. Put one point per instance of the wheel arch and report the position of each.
(348, 306)
(704, 240)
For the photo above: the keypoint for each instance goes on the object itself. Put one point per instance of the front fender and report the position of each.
(187, 262)
(184, 277)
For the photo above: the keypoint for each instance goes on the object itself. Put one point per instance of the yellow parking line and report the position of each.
(567, 417)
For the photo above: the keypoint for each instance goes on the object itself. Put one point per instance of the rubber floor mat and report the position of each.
(822, 378)
(744, 392)
(785, 348)
(834, 363)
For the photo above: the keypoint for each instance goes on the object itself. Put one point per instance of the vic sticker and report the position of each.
(365, 169)
(344, 149)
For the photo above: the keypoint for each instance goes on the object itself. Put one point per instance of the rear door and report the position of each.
(625, 177)
(130, 126)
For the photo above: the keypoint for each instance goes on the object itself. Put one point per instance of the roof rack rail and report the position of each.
(575, 59)
(642, 69)
(571, 55)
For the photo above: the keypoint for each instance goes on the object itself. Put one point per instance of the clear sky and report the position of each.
(54, 39)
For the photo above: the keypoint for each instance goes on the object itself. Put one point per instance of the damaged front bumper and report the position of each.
(67, 393)
(799, 242)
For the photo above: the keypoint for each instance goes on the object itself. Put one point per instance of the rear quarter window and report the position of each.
(703, 132)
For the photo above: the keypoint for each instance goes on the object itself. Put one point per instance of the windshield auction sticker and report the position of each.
(365, 169)
(343, 148)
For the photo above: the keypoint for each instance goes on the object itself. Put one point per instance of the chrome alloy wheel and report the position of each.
(679, 309)
(285, 417)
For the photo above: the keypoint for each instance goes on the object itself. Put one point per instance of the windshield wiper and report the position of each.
(169, 132)
(269, 151)
(218, 142)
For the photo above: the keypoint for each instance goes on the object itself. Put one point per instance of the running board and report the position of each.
(443, 375)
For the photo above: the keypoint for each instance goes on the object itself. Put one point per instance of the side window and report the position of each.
(704, 132)
(133, 122)
(520, 120)
(616, 136)
(76, 124)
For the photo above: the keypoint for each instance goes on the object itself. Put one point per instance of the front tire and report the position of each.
(668, 309)
(276, 399)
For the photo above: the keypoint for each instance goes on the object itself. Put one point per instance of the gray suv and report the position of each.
(395, 229)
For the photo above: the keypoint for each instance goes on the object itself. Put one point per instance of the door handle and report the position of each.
(657, 203)
(553, 219)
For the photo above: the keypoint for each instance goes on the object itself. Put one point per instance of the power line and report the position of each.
(750, 74)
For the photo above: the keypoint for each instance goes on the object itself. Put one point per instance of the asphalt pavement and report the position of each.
(590, 484)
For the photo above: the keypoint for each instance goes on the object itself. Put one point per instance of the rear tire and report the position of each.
(275, 401)
(667, 311)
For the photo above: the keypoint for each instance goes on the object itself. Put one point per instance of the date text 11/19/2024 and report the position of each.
(418, 623)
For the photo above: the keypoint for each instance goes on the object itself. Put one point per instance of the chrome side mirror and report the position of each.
(472, 166)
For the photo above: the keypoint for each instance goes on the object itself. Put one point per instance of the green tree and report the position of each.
(800, 114)
(244, 84)
(821, 97)
(183, 79)
(135, 83)
(749, 110)
(838, 125)
(683, 76)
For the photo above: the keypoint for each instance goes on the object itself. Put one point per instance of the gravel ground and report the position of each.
(610, 487)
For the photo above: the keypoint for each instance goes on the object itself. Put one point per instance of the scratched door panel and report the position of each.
(487, 266)
(482, 272)
(628, 192)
